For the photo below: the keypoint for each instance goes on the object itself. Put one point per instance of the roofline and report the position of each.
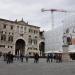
(17, 22)
(6, 20)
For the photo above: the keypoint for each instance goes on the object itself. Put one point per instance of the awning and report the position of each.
(71, 51)
(54, 52)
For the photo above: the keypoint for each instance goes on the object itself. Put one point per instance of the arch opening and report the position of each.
(20, 47)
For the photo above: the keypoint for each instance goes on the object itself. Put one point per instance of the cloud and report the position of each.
(69, 2)
(30, 10)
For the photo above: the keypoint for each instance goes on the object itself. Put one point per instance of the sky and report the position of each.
(30, 11)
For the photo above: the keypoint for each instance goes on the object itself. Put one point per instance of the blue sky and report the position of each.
(30, 10)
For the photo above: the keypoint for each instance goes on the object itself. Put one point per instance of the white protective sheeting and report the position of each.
(71, 49)
(53, 39)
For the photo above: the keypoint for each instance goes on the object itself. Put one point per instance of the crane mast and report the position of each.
(52, 16)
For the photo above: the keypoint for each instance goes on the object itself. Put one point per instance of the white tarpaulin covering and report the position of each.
(71, 49)
(54, 38)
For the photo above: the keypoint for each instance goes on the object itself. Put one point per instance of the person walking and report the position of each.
(48, 58)
(51, 57)
(21, 57)
(8, 56)
(27, 56)
(36, 58)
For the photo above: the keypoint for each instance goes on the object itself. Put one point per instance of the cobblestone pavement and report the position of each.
(41, 68)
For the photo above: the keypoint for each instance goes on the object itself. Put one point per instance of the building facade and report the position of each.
(20, 38)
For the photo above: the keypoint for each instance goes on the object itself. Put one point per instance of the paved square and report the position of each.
(41, 68)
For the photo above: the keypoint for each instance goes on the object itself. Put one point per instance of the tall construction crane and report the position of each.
(53, 10)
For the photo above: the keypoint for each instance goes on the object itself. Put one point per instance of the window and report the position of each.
(2, 45)
(21, 30)
(3, 37)
(30, 30)
(35, 41)
(10, 38)
(34, 31)
(9, 46)
(29, 35)
(29, 48)
(12, 33)
(24, 29)
(9, 33)
(2, 32)
(4, 26)
(21, 27)
(17, 26)
(5, 32)
(35, 36)
(29, 53)
(11, 27)
(34, 48)
(21, 35)
(30, 41)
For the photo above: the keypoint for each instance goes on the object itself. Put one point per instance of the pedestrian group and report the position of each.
(9, 57)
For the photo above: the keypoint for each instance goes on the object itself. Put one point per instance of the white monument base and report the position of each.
(65, 55)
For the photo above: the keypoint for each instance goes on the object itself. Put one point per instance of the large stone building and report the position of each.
(20, 37)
